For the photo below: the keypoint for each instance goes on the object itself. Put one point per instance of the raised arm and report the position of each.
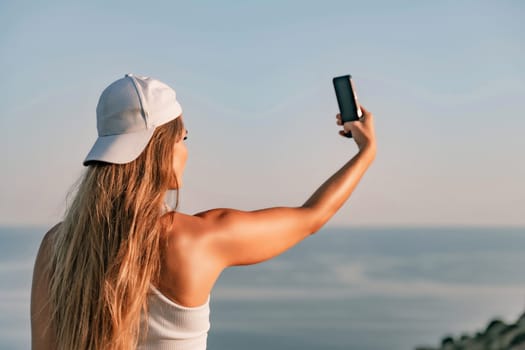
(334, 192)
(248, 237)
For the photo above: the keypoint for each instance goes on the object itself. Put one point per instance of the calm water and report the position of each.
(352, 288)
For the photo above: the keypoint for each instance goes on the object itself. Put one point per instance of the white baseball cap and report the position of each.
(128, 111)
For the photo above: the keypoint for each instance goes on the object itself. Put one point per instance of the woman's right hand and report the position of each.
(362, 130)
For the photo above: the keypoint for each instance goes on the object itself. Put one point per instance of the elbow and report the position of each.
(314, 220)
(316, 227)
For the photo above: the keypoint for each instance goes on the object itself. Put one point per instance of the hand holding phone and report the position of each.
(363, 131)
(347, 100)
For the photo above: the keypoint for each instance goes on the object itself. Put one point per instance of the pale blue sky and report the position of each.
(444, 79)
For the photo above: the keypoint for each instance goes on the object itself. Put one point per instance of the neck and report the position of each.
(170, 199)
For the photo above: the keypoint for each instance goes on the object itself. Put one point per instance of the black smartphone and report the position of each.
(347, 99)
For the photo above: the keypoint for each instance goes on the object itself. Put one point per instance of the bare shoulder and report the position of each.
(188, 273)
(201, 245)
(41, 337)
(186, 227)
(185, 236)
(48, 238)
(44, 250)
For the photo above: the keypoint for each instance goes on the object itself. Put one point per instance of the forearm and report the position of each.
(334, 192)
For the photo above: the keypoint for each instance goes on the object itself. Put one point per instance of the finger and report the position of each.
(345, 134)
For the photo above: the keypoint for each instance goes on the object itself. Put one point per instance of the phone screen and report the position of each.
(346, 98)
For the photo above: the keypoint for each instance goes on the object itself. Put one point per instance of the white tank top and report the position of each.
(172, 326)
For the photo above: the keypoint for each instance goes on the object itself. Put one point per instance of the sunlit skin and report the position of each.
(203, 244)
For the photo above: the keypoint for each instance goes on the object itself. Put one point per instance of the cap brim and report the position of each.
(119, 149)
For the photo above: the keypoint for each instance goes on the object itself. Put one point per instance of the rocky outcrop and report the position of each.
(497, 336)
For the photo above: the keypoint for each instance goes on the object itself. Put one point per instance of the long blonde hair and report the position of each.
(107, 250)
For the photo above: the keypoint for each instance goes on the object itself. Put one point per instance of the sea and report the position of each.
(341, 288)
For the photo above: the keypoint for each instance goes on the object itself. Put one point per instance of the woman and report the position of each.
(124, 269)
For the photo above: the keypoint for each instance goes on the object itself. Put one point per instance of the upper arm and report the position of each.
(42, 336)
(248, 237)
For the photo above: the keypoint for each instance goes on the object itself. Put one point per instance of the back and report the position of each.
(194, 253)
